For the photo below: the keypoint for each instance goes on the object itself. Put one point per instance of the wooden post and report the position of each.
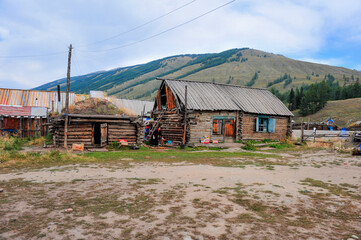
(66, 132)
(20, 127)
(236, 124)
(29, 123)
(41, 126)
(58, 108)
(143, 112)
(68, 81)
(185, 116)
(52, 106)
(308, 124)
(47, 126)
(302, 131)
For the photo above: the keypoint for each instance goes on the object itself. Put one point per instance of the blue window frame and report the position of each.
(265, 124)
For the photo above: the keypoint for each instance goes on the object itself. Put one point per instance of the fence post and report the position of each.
(302, 131)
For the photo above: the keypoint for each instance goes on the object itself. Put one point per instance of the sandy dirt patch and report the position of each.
(316, 195)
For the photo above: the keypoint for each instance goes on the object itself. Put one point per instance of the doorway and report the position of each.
(223, 128)
(97, 134)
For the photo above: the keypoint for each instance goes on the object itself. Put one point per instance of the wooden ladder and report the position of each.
(157, 122)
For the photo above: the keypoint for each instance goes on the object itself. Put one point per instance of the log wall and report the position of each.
(81, 131)
(249, 128)
(172, 125)
(201, 124)
(123, 131)
(77, 133)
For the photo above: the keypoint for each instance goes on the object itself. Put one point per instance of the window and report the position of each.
(217, 126)
(265, 124)
(262, 124)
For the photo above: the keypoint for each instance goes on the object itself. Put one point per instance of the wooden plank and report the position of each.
(98, 121)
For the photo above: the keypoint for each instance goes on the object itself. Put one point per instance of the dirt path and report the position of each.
(319, 197)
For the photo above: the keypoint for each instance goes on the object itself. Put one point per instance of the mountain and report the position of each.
(246, 67)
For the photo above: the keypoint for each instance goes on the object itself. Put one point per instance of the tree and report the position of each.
(292, 100)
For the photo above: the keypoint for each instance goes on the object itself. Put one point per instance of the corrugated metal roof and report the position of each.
(134, 106)
(212, 96)
(37, 98)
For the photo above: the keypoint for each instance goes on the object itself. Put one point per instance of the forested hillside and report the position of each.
(245, 67)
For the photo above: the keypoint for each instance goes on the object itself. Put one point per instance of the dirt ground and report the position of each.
(305, 195)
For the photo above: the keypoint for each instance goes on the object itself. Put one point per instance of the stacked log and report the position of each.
(172, 126)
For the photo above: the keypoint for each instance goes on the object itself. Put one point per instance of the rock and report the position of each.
(355, 237)
(1, 189)
(187, 238)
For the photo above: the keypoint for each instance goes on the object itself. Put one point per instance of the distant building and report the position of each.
(23, 112)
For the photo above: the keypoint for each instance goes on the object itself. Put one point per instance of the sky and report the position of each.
(35, 34)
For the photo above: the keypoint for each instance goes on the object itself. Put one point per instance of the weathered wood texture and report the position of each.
(249, 128)
(83, 131)
(24, 126)
(201, 124)
(172, 126)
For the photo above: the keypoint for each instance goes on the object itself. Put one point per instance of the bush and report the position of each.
(249, 145)
(12, 143)
(283, 144)
(48, 139)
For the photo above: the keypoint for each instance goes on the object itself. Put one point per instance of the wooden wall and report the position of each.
(172, 125)
(201, 124)
(24, 126)
(124, 130)
(83, 132)
(77, 133)
(248, 130)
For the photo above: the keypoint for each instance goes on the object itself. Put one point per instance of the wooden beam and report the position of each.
(185, 115)
(66, 132)
(29, 129)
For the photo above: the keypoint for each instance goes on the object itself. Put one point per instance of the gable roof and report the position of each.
(213, 96)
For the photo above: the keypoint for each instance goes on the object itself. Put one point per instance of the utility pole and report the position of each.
(68, 81)
(67, 101)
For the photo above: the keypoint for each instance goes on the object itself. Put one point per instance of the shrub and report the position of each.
(249, 145)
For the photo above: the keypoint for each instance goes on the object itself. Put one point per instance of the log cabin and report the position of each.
(95, 130)
(188, 111)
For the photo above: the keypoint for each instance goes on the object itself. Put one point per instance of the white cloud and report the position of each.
(296, 28)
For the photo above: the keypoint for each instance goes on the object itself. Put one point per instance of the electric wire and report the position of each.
(144, 24)
(160, 33)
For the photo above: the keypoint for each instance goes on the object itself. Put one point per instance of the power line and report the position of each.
(165, 31)
(144, 24)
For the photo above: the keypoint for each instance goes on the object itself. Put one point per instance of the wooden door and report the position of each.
(229, 128)
(103, 134)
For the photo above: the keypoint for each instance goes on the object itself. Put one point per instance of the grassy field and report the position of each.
(343, 112)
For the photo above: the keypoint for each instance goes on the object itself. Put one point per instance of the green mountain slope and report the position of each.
(343, 112)
(236, 66)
